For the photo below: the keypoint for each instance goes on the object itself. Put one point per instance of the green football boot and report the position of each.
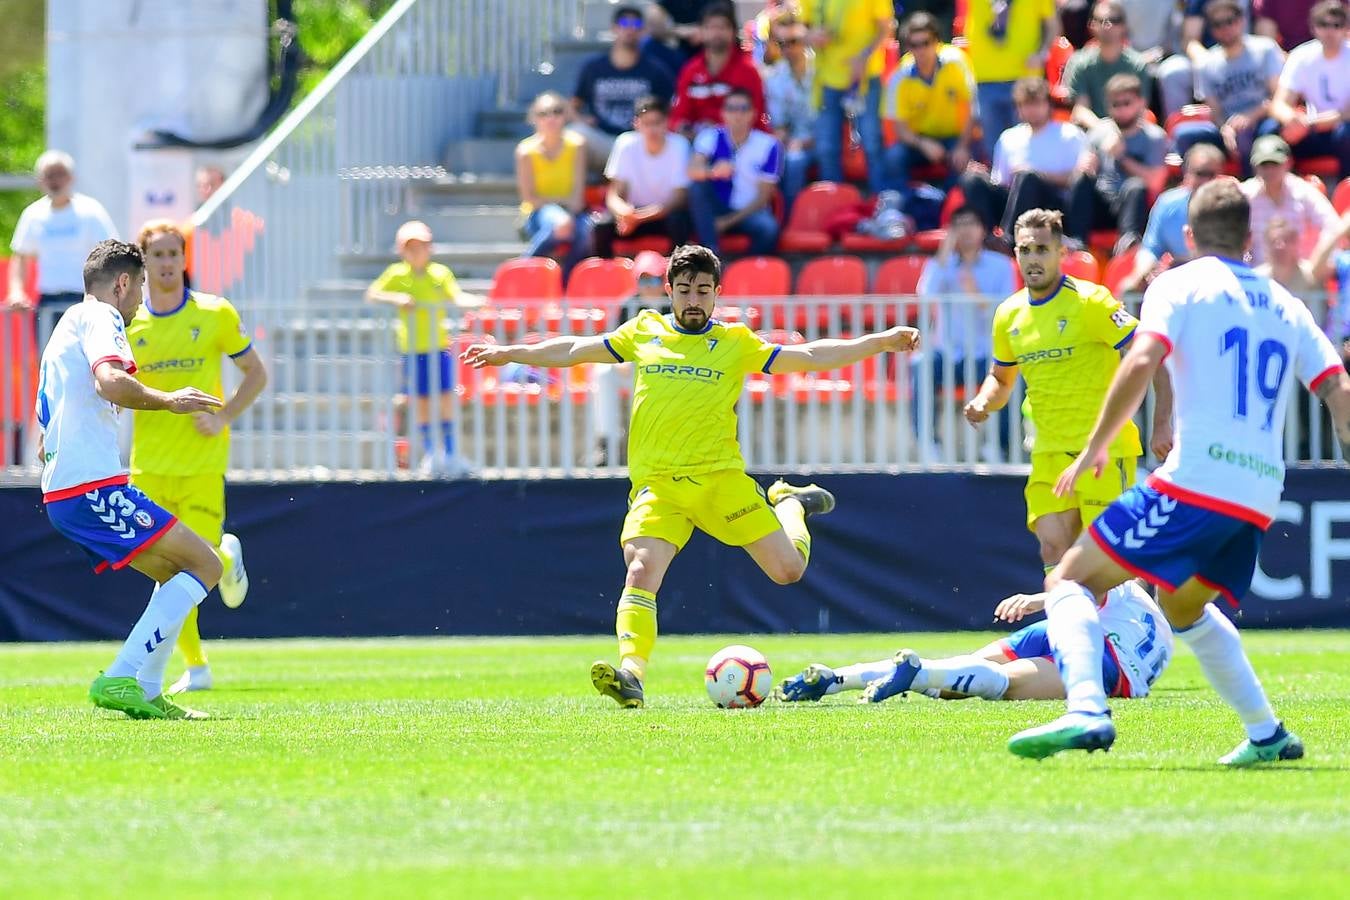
(1280, 745)
(123, 694)
(172, 710)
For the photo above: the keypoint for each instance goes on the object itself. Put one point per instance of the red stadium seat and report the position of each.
(1340, 198)
(760, 385)
(631, 247)
(899, 275)
(1081, 264)
(757, 276)
(1118, 268)
(815, 206)
(828, 276)
(527, 278)
(608, 281)
(1318, 167)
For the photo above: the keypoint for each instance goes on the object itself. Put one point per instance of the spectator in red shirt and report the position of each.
(707, 79)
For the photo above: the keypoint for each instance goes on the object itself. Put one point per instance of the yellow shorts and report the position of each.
(197, 500)
(728, 505)
(1093, 494)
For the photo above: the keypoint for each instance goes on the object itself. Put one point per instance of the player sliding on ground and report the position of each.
(1136, 649)
(86, 379)
(1234, 342)
(684, 460)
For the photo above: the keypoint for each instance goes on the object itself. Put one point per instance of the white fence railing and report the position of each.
(337, 405)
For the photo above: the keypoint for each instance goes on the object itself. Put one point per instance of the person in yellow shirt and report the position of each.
(930, 101)
(1007, 40)
(179, 337)
(551, 180)
(420, 290)
(684, 461)
(1064, 335)
(848, 37)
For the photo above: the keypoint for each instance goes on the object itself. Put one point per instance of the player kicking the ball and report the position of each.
(1136, 648)
(86, 378)
(684, 461)
(1233, 342)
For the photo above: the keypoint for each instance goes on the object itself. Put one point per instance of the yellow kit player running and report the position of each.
(179, 337)
(684, 461)
(1064, 335)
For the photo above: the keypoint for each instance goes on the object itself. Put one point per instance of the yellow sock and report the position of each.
(190, 641)
(635, 625)
(793, 519)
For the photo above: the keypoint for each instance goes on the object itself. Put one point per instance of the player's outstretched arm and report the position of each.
(117, 386)
(554, 353)
(1335, 393)
(993, 395)
(831, 353)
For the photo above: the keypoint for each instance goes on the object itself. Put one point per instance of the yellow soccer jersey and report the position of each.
(434, 287)
(684, 399)
(1068, 349)
(179, 349)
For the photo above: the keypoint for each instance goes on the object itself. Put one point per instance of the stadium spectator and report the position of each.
(959, 333)
(610, 435)
(58, 230)
(1007, 42)
(1033, 161)
(1176, 74)
(848, 37)
(610, 84)
(1276, 191)
(1332, 259)
(209, 180)
(1283, 21)
(1154, 28)
(648, 181)
(1110, 189)
(1089, 69)
(680, 21)
(551, 180)
(1165, 234)
(707, 79)
(787, 89)
(1236, 78)
(1317, 74)
(930, 101)
(658, 39)
(1285, 265)
(420, 289)
(734, 173)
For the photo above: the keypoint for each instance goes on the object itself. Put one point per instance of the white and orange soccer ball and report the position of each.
(738, 677)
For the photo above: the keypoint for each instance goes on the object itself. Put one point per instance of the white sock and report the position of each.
(855, 678)
(158, 626)
(968, 675)
(1215, 642)
(1077, 641)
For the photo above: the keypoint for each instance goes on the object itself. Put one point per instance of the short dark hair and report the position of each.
(1220, 216)
(651, 103)
(1214, 6)
(1333, 8)
(694, 260)
(719, 9)
(1041, 218)
(1124, 83)
(922, 21)
(626, 10)
(739, 92)
(965, 210)
(109, 259)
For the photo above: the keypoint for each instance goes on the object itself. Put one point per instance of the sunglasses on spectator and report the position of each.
(1224, 23)
(919, 45)
(551, 111)
(649, 279)
(1108, 20)
(1204, 174)
(789, 42)
(1325, 23)
(737, 107)
(628, 22)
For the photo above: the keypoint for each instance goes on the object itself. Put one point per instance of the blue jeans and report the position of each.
(830, 135)
(900, 158)
(998, 113)
(539, 228)
(706, 205)
(796, 168)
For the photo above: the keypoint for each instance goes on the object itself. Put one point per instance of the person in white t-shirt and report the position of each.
(1234, 343)
(85, 382)
(1136, 647)
(1033, 162)
(734, 172)
(1317, 74)
(648, 174)
(58, 231)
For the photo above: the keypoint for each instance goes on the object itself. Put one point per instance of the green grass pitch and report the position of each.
(489, 768)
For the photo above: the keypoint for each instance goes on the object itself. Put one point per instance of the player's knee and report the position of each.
(788, 571)
(207, 567)
(1052, 552)
(641, 573)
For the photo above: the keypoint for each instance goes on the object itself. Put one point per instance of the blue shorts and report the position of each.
(417, 373)
(1033, 641)
(1168, 542)
(114, 523)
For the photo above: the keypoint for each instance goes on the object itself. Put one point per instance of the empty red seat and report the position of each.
(1081, 264)
(896, 277)
(1118, 269)
(1318, 167)
(1340, 198)
(757, 276)
(526, 278)
(812, 211)
(607, 281)
(828, 276)
(633, 246)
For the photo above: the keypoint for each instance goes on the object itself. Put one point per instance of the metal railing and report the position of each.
(324, 184)
(337, 405)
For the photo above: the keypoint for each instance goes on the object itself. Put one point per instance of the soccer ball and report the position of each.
(738, 677)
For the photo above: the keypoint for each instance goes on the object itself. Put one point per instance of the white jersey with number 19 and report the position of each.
(1236, 341)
